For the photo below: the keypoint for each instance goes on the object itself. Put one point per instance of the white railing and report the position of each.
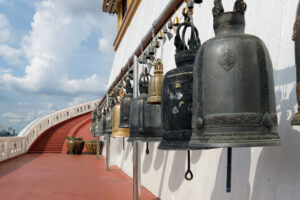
(14, 146)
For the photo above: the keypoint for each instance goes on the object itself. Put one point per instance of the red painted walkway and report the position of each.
(64, 177)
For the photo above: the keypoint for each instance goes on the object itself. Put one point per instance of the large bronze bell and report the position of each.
(177, 92)
(154, 91)
(296, 38)
(145, 119)
(107, 126)
(92, 126)
(126, 102)
(116, 130)
(99, 122)
(233, 90)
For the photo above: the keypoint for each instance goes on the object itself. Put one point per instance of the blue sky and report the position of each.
(53, 54)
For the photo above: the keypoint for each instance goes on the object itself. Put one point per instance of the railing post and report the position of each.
(136, 157)
(107, 142)
(98, 147)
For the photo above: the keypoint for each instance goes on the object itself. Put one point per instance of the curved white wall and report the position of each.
(14, 146)
(271, 173)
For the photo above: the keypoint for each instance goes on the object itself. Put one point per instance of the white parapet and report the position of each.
(14, 146)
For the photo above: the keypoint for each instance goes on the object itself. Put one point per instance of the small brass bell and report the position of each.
(160, 35)
(145, 119)
(154, 92)
(296, 38)
(156, 43)
(176, 22)
(147, 55)
(151, 50)
(126, 102)
(116, 131)
(170, 24)
(233, 99)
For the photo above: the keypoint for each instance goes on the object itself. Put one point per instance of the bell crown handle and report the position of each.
(193, 42)
(239, 6)
(158, 65)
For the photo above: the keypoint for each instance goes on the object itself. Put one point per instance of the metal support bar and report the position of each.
(136, 157)
(98, 147)
(107, 143)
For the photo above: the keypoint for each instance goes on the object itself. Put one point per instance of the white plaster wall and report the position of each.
(270, 173)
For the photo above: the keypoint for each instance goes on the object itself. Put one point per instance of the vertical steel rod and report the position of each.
(229, 162)
(107, 142)
(136, 158)
(98, 147)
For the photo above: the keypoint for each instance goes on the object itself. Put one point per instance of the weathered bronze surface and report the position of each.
(233, 90)
(296, 38)
(99, 122)
(177, 96)
(92, 126)
(116, 131)
(126, 102)
(145, 119)
(154, 91)
(107, 126)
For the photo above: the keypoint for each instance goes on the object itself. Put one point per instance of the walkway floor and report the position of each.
(64, 177)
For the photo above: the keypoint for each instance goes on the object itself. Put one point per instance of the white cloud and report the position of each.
(10, 115)
(105, 45)
(2, 1)
(5, 71)
(10, 54)
(76, 101)
(4, 28)
(58, 29)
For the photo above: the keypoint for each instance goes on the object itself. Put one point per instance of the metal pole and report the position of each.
(98, 147)
(107, 143)
(136, 158)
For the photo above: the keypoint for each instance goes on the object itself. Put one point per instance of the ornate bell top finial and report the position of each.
(128, 85)
(144, 81)
(228, 23)
(185, 53)
(158, 66)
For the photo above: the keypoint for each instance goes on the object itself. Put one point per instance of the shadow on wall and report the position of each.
(240, 189)
(278, 170)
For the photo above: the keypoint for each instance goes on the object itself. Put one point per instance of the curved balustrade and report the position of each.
(14, 146)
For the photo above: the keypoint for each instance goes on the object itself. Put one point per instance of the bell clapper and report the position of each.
(229, 161)
(188, 174)
(147, 148)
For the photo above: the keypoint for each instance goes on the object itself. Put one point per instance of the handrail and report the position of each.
(14, 146)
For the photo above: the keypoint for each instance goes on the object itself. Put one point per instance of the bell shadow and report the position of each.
(176, 177)
(278, 168)
(148, 158)
(119, 145)
(159, 158)
(195, 156)
(164, 161)
(240, 188)
(127, 150)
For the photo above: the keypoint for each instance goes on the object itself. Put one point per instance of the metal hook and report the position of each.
(188, 174)
(229, 161)
(147, 148)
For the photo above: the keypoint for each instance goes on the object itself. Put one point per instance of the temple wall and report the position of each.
(270, 173)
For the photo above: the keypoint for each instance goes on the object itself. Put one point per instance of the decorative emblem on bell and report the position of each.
(126, 101)
(154, 91)
(145, 119)
(233, 99)
(177, 91)
(296, 38)
(116, 131)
